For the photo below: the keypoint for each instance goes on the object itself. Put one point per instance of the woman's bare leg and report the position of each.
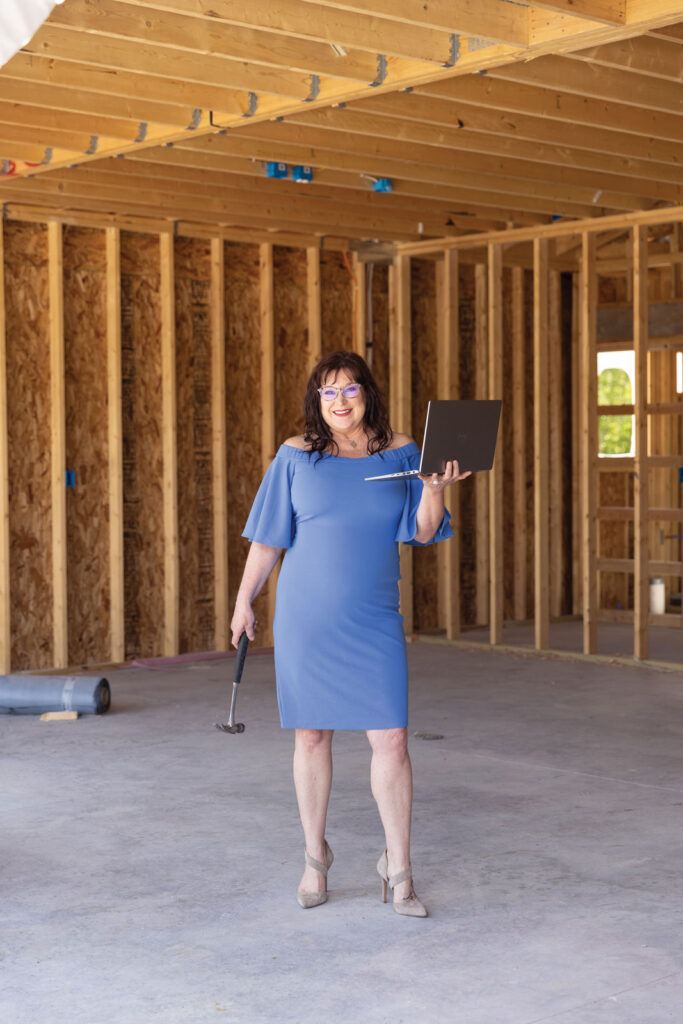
(313, 780)
(391, 778)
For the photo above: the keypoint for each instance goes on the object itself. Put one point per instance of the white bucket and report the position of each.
(657, 596)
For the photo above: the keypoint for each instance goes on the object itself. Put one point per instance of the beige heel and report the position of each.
(315, 899)
(410, 905)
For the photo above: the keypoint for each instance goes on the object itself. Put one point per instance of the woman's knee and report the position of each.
(312, 741)
(389, 742)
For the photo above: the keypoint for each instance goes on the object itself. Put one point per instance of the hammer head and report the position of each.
(238, 727)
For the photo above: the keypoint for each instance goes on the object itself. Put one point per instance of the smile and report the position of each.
(344, 413)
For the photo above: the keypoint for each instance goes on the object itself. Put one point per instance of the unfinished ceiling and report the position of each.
(482, 113)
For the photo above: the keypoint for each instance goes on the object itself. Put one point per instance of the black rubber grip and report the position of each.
(241, 655)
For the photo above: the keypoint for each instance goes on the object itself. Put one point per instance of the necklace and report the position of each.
(354, 444)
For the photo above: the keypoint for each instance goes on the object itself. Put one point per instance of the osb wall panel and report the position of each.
(87, 504)
(378, 351)
(29, 442)
(243, 401)
(290, 300)
(195, 491)
(467, 325)
(424, 386)
(142, 445)
(336, 285)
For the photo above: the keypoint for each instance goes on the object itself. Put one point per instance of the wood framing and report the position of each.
(58, 456)
(541, 449)
(399, 399)
(315, 344)
(482, 482)
(268, 439)
(556, 454)
(169, 434)
(219, 447)
(641, 483)
(115, 444)
(5, 596)
(589, 442)
(448, 362)
(519, 409)
(495, 354)
(359, 307)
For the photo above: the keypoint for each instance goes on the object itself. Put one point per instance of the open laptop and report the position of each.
(462, 430)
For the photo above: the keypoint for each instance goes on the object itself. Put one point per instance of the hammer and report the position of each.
(230, 726)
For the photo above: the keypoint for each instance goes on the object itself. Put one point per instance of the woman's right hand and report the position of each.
(243, 621)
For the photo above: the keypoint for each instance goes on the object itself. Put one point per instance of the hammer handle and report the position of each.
(241, 655)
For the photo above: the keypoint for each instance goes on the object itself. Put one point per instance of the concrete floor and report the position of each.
(149, 862)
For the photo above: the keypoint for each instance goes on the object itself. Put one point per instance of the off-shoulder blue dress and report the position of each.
(340, 651)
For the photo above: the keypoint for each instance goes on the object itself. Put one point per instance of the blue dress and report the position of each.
(340, 651)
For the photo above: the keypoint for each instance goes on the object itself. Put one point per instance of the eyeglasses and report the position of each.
(329, 393)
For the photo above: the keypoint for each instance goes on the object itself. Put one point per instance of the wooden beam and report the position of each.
(359, 306)
(58, 457)
(577, 447)
(641, 591)
(481, 481)
(219, 447)
(541, 450)
(400, 401)
(495, 353)
(519, 409)
(556, 396)
(315, 343)
(169, 435)
(115, 445)
(589, 442)
(612, 12)
(268, 440)
(5, 579)
(448, 367)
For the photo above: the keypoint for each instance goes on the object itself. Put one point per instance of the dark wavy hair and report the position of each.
(375, 420)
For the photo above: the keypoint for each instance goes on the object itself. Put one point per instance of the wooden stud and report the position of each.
(577, 412)
(400, 400)
(169, 432)
(5, 597)
(541, 449)
(359, 307)
(495, 347)
(315, 344)
(448, 372)
(58, 429)
(115, 441)
(641, 591)
(589, 442)
(482, 481)
(519, 408)
(268, 392)
(219, 446)
(556, 396)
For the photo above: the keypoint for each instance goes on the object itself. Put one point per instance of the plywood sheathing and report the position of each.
(243, 410)
(195, 493)
(380, 328)
(336, 285)
(291, 340)
(424, 378)
(143, 511)
(85, 327)
(29, 437)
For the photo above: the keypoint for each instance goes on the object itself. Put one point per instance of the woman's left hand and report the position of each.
(438, 481)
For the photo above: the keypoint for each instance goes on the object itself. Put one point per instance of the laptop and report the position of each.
(462, 430)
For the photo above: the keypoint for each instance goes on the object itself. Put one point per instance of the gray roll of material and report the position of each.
(34, 695)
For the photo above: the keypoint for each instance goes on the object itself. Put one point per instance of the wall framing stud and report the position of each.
(541, 449)
(219, 448)
(448, 362)
(115, 444)
(5, 606)
(641, 592)
(169, 434)
(58, 429)
(589, 442)
(495, 328)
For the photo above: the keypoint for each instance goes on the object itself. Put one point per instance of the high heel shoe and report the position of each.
(314, 899)
(410, 905)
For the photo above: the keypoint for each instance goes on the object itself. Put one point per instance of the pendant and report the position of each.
(354, 444)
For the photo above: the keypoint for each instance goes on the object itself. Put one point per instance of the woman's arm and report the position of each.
(260, 563)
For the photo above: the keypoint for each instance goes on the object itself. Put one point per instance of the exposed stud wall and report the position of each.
(290, 276)
(337, 303)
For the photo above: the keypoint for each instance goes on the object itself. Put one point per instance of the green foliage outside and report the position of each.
(614, 432)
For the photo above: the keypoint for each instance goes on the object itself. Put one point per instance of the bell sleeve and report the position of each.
(271, 520)
(407, 525)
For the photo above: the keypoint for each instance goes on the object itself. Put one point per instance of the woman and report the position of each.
(340, 653)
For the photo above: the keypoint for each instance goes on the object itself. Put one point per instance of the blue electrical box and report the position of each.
(383, 185)
(276, 170)
(680, 474)
(302, 173)
(70, 480)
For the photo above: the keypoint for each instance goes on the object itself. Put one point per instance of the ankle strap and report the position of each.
(312, 862)
(402, 876)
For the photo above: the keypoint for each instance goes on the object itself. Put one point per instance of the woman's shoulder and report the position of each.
(297, 442)
(400, 441)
